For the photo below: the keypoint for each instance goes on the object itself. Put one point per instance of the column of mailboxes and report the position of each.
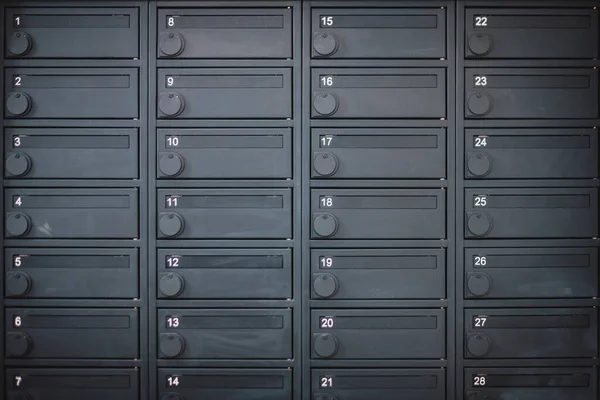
(378, 172)
(71, 183)
(531, 202)
(224, 178)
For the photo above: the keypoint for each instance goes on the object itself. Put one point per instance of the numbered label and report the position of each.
(326, 381)
(326, 201)
(18, 201)
(17, 261)
(327, 81)
(172, 261)
(326, 262)
(170, 81)
(480, 260)
(16, 141)
(481, 141)
(172, 141)
(479, 381)
(481, 20)
(18, 80)
(17, 321)
(326, 21)
(171, 21)
(326, 322)
(18, 20)
(480, 201)
(479, 321)
(18, 380)
(326, 141)
(481, 81)
(172, 322)
(172, 381)
(173, 201)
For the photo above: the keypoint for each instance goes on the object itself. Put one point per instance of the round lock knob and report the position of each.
(325, 345)
(171, 284)
(325, 44)
(479, 224)
(171, 164)
(18, 344)
(325, 104)
(325, 225)
(171, 396)
(325, 285)
(171, 104)
(480, 44)
(171, 345)
(19, 44)
(325, 164)
(17, 284)
(479, 344)
(18, 104)
(479, 284)
(17, 224)
(17, 164)
(479, 164)
(171, 224)
(171, 44)
(480, 104)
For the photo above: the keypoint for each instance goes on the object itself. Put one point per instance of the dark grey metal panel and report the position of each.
(225, 274)
(44, 33)
(67, 383)
(226, 384)
(353, 153)
(375, 334)
(72, 333)
(379, 33)
(531, 333)
(71, 213)
(72, 93)
(531, 153)
(531, 213)
(519, 273)
(378, 213)
(225, 334)
(71, 153)
(225, 153)
(355, 274)
(225, 93)
(531, 33)
(383, 384)
(220, 33)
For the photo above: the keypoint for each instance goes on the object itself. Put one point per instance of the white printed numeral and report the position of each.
(327, 21)
(326, 141)
(172, 381)
(18, 380)
(17, 321)
(479, 381)
(327, 81)
(172, 262)
(480, 201)
(481, 21)
(480, 322)
(18, 80)
(172, 201)
(480, 260)
(18, 202)
(326, 322)
(171, 21)
(481, 81)
(326, 262)
(173, 322)
(326, 381)
(172, 141)
(327, 201)
(481, 141)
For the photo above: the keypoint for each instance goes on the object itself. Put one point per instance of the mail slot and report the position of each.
(531, 333)
(361, 274)
(71, 213)
(378, 214)
(529, 273)
(71, 273)
(379, 153)
(71, 153)
(71, 333)
(72, 32)
(225, 213)
(225, 384)
(531, 93)
(379, 93)
(72, 383)
(375, 334)
(381, 384)
(225, 33)
(531, 383)
(531, 213)
(72, 93)
(539, 33)
(531, 153)
(225, 334)
(264, 153)
(225, 93)
(379, 32)
(225, 274)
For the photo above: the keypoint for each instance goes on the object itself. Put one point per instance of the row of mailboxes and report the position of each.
(577, 383)
(255, 153)
(266, 33)
(336, 213)
(226, 93)
(342, 274)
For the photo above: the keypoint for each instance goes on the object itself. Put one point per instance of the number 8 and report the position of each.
(171, 21)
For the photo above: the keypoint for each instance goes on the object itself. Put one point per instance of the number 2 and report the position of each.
(18, 81)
